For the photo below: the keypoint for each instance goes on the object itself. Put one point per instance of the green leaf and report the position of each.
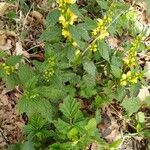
(89, 24)
(90, 68)
(91, 126)
(131, 105)
(51, 35)
(74, 33)
(83, 33)
(99, 101)
(104, 50)
(141, 117)
(98, 116)
(52, 17)
(75, 10)
(73, 133)
(147, 100)
(13, 60)
(103, 4)
(70, 107)
(29, 145)
(3, 54)
(33, 104)
(62, 127)
(116, 71)
(25, 73)
(12, 81)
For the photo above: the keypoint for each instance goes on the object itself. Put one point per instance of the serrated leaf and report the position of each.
(69, 107)
(83, 33)
(91, 126)
(75, 10)
(13, 60)
(74, 33)
(90, 68)
(104, 50)
(62, 127)
(35, 104)
(103, 4)
(131, 105)
(51, 35)
(25, 73)
(116, 71)
(12, 81)
(52, 17)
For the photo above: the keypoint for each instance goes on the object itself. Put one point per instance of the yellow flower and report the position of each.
(77, 52)
(124, 76)
(70, 1)
(103, 34)
(72, 17)
(65, 33)
(123, 83)
(129, 74)
(134, 80)
(62, 20)
(93, 47)
(74, 44)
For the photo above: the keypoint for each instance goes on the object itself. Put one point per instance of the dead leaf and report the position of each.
(3, 8)
(3, 38)
(144, 92)
(113, 42)
(19, 50)
(6, 46)
(38, 16)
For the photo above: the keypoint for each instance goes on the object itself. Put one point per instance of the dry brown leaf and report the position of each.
(144, 92)
(3, 8)
(38, 16)
(3, 38)
(19, 50)
(113, 42)
(6, 46)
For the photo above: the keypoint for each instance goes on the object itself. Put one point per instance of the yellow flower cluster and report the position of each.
(8, 69)
(101, 29)
(49, 71)
(130, 78)
(67, 17)
(64, 2)
(130, 61)
(100, 32)
(93, 47)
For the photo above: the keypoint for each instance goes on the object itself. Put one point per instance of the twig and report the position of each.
(4, 137)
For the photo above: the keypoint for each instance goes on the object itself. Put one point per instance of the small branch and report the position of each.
(4, 137)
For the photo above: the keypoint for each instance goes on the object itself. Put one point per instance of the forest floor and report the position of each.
(19, 34)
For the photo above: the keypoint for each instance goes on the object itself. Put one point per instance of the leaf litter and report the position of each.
(31, 26)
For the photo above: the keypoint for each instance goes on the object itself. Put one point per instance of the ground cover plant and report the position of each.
(63, 96)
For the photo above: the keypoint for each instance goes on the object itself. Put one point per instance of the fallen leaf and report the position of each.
(3, 38)
(19, 50)
(3, 8)
(38, 16)
(113, 42)
(143, 93)
(6, 46)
